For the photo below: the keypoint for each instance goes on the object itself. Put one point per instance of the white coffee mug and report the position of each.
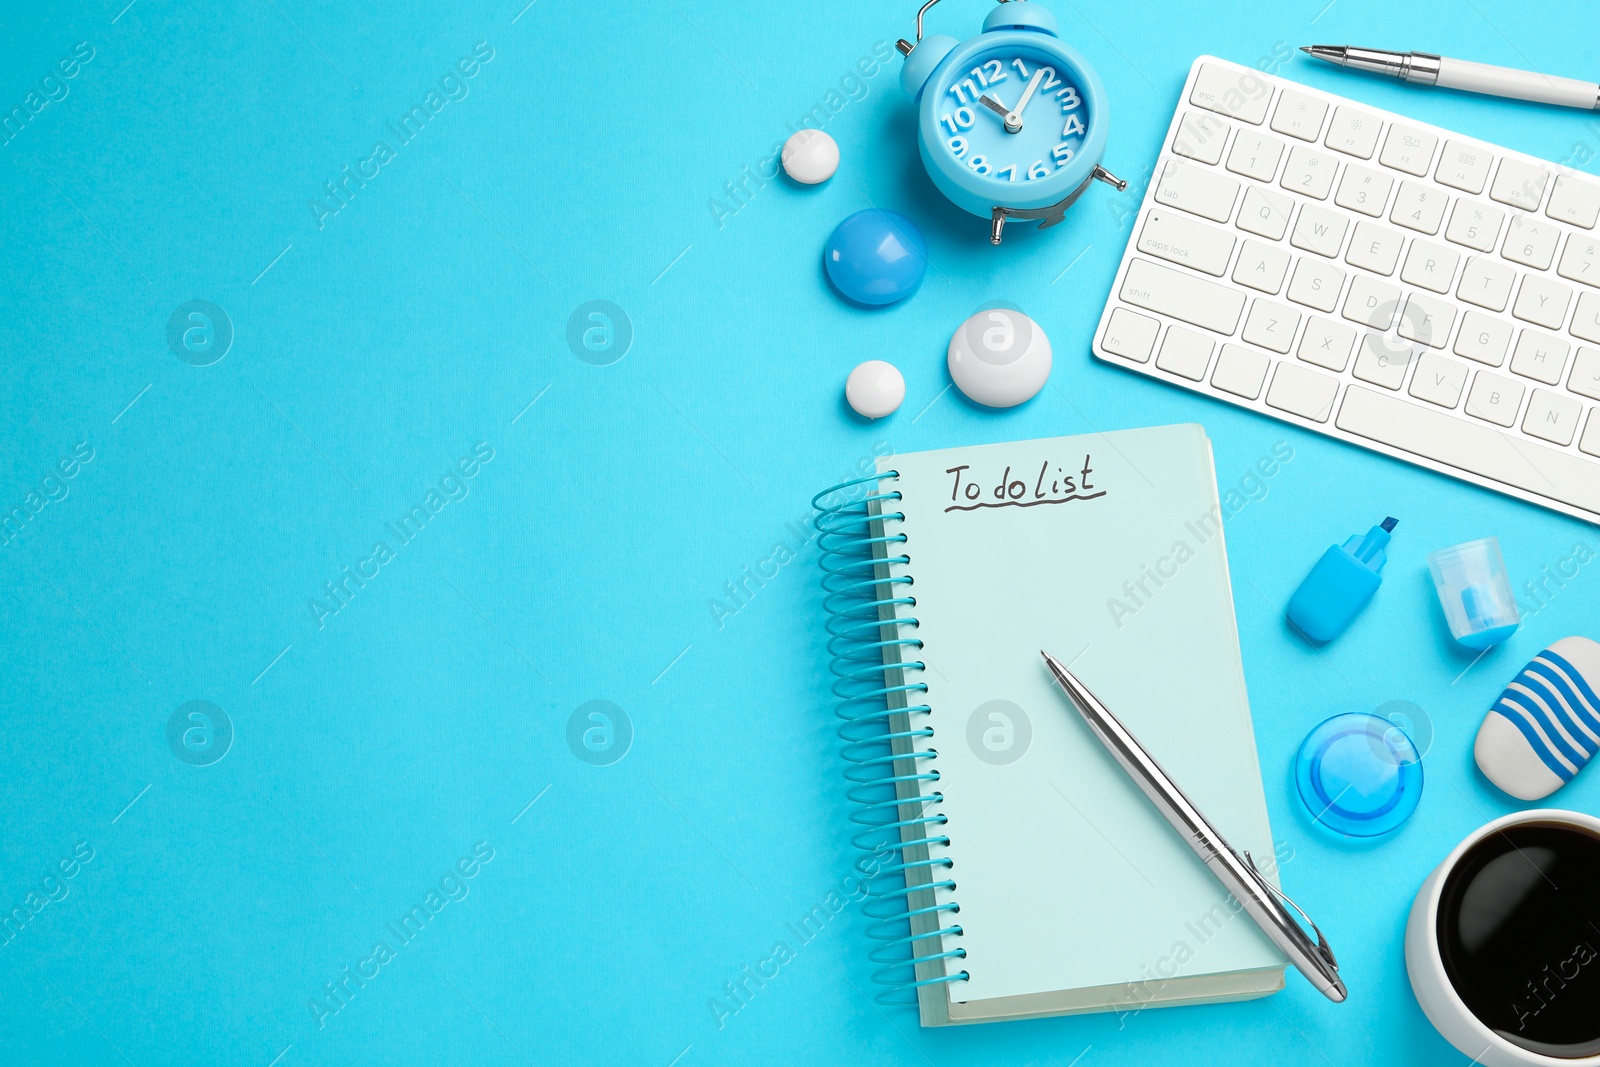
(1434, 991)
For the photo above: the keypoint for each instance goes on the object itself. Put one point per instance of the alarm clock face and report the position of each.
(1012, 116)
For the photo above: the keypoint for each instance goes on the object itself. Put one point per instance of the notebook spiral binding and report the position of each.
(871, 657)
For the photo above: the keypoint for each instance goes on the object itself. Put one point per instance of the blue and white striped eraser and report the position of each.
(1546, 725)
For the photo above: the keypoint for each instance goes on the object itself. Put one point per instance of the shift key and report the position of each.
(1179, 240)
(1182, 296)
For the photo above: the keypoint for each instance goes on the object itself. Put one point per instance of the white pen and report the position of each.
(1424, 68)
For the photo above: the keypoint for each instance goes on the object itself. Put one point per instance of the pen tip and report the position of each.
(1307, 50)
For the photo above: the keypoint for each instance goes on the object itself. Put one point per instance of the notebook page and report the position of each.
(1106, 550)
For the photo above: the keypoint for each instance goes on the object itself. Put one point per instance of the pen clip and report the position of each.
(1323, 948)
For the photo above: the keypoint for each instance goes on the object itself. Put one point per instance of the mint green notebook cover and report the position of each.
(1106, 550)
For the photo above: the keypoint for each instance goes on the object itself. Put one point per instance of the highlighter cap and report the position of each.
(1475, 592)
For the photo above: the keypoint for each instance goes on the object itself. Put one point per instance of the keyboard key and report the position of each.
(1426, 320)
(1419, 207)
(1265, 213)
(1531, 241)
(1409, 149)
(1240, 94)
(1464, 166)
(1374, 248)
(1240, 371)
(1542, 301)
(1255, 155)
(1495, 399)
(1261, 266)
(1552, 417)
(1540, 356)
(1483, 338)
(1201, 192)
(1585, 377)
(1580, 260)
(1353, 132)
(1474, 225)
(1371, 303)
(1178, 239)
(1575, 201)
(1182, 296)
(1298, 115)
(1131, 336)
(1380, 364)
(1590, 442)
(1455, 442)
(1430, 266)
(1200, 137)
(1316, 284)
(1309, 171)
(1438, 380)
(1327, 344)
(1586, 320)
(1364, 189)
(1271, 326)
(1302, 391)
(1486, 283)
(1319, 230)
(1519, 184)
(1185, 353)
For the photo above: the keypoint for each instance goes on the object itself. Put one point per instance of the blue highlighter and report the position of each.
(1340, 585)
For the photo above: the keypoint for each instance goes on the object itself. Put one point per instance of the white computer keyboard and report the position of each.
(1383, 281)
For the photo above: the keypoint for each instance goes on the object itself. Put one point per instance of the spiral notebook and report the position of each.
(1017, 871)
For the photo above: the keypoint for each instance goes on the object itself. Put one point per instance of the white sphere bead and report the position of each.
(875, 389)
(810, 157)
(999, 358)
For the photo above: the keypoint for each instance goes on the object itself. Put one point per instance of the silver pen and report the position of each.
(1237, 872)
(1425, 68)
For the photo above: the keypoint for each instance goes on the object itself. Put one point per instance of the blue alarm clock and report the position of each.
(1012, 123)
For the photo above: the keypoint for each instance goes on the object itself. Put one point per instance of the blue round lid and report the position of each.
(1359, 774)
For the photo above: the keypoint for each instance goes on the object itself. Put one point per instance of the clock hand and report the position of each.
(1014, 119)
(993, 104)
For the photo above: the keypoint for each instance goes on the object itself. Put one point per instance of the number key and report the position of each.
(1309, 171)
(1581, 260)
(1531, 242)
(1364, 189)
(1255, 155)
(1475, 225)
(1419, 207)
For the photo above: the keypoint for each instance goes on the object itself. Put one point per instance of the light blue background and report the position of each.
(372, 754)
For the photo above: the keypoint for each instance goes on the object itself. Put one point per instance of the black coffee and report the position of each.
(1519, 933)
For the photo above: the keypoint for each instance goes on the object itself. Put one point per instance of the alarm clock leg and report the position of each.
(997, 225)
(1110, 179)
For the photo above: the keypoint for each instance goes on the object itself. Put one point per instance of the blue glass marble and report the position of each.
(1359, 775)
(876, 257)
